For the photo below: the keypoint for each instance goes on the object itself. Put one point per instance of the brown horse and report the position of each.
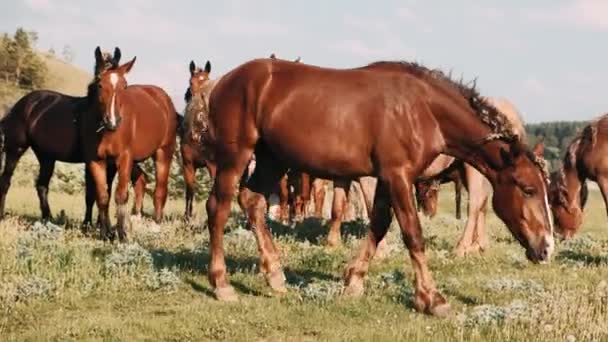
(47, 122)
(128, 124)
(387, 119)
(585, 159)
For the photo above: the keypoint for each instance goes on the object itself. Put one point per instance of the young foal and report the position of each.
(47, 122)
(389, 120)
(193, 150)
(585, 159)
(134, 123)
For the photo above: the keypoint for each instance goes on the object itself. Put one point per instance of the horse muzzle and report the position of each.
(111, 125)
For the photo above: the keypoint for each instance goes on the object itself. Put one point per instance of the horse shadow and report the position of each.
(579, 257)
(315, 230)
(197, 261)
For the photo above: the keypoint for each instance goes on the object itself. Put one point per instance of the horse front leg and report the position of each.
(218, 209)
(138, 178)
(189, 178)
(124, 163)
(42, 186)
(89, 200)
(253, 196)
(98, 173)
(427, 298)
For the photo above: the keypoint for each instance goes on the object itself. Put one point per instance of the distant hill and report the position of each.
(65, 78)
(62, 77)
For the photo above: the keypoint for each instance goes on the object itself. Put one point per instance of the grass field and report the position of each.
(60, 285)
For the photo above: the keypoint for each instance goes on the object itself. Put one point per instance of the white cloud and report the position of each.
(535, 87)
(242, 25)
(38, 5)
(587, 14)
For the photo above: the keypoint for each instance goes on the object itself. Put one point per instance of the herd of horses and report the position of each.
(272, 125)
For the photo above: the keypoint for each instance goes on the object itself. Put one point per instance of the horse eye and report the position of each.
(529, 191)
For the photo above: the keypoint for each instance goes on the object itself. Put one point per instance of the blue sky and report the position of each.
(549, 57)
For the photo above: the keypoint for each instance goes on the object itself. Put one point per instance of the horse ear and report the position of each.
(272, 56)
(539, 149)
(125, 68)
(98, 56)
(298, 60)
(507, 157)
(117, 55)
(192, 67)
(208, 67)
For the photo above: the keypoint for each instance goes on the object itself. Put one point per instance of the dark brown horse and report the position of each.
(128, 124)
(585, 159)
(387, 119)
(47, 122)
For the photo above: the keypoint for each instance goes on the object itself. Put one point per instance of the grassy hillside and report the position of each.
(62, 77)
(60, 285)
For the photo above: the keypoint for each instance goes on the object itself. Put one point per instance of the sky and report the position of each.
(548, 57)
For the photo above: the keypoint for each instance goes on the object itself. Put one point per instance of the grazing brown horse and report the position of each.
(193, 149)
(388, 120)
(427, 191)
(585, 159)
(128, 124)
(47, 122)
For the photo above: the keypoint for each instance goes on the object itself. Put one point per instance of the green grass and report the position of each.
(60, 285)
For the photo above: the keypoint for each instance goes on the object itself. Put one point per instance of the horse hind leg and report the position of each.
(338, 210)
(380, 220)
(253, 196)
(163, 160)
(42, 186)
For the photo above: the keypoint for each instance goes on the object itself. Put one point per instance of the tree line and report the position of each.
(556, 135)
(20, 64)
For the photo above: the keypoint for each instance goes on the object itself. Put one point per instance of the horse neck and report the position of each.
(466, 136)
(573, 181)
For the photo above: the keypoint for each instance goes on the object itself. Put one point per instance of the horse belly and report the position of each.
(329, 157)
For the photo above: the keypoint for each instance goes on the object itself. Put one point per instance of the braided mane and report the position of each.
(499, 123)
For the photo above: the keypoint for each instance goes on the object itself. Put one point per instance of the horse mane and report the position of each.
(488, 113)
(499, 123)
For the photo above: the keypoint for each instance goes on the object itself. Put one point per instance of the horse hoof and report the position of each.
(276, 281)
(354, 289)
(226, 294)
(434, 304)
(333, 242)
(440, 310)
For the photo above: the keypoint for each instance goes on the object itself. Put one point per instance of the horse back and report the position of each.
(381, 111)
(46, 121)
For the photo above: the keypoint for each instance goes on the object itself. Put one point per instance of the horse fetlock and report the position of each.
(333, 238)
